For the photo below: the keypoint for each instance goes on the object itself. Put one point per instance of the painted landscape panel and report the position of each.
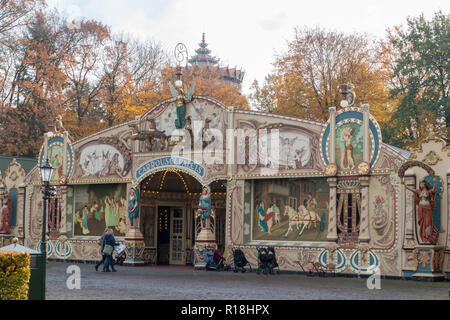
(290, 209)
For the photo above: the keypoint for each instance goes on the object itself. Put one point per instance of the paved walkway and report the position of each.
(172, 282)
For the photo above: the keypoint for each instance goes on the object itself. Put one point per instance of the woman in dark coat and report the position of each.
(109, 240)
(100, 243)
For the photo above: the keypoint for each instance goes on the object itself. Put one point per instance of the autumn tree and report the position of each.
(420, 63)
(37, 89)
(208, 82)
(14, 15)
(84, 76)
(307, 76)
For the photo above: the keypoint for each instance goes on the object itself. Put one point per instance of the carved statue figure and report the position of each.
(183, 97)
(133, 204)
(205, 204)
(425, 202)
(59, 127)
(6, 214)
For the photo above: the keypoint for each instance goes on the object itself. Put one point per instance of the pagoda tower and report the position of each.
(204, 59)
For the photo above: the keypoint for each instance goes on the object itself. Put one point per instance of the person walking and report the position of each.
(107, 248)
(100, 243)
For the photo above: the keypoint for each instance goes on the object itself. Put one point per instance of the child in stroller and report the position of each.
(119, 254)
(240, 261)
(214, 260)
(267, 261)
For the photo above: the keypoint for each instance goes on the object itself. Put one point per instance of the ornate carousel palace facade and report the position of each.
(193, 174)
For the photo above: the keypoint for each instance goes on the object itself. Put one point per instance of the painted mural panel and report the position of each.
(290, 209)
(277, 145)
(349, 145)
(104, 157)
(100, 206)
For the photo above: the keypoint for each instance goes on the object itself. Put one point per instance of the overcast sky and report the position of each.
(244, 33)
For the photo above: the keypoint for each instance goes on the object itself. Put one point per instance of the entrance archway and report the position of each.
(169, 199)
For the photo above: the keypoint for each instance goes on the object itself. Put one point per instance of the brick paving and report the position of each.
(171, 282)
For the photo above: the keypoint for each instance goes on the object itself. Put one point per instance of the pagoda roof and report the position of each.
(203, 54)
(203, 60)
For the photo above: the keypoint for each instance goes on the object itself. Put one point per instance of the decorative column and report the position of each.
(331, 171)
(332, 142)
(66, 141)
(332, 215)
(366, 133)
(409, 205)
(63, 222)
(206, 239)
(21, 212)
(134, 240)
(364, 233)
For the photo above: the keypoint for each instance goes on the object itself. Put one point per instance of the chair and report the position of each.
(309, 273)
(318, 269)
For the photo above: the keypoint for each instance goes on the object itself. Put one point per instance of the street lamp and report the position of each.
(46, 175)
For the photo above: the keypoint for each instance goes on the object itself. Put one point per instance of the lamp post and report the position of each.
(46, 175)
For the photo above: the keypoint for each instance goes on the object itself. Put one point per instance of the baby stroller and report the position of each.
(240, 261)
(214, 260)
(267, 260)
(119, 254)
(272, 260)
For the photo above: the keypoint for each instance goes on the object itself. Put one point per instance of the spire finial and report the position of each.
(203, 38)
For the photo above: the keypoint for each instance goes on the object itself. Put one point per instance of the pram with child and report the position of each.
(119, 254)
(214, 260)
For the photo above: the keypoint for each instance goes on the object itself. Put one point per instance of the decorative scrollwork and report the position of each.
(181, 52)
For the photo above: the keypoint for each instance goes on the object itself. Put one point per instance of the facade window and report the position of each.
(348, 212)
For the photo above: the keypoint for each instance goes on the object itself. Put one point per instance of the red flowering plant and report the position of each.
(378, 203)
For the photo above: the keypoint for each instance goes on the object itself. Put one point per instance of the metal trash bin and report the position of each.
(35, 291)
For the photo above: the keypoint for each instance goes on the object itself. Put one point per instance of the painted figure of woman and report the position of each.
(133, 205)
(205, 204)
(84, 219)
(108, 212)
(262, 216)
(6, 214)
(347, 161)
(97, 212)
(425, 202)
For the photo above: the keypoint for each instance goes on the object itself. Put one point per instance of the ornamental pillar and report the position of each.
(366, 133)
(364, 233)
(134, 240)
(332, 216)
(332, 141)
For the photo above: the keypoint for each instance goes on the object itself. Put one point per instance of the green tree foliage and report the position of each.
(420, 80)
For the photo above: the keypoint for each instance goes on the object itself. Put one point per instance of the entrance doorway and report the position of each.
(171, 238)
(169, 200)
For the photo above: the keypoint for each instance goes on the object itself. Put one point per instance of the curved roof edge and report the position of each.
(397, 151)
(280, 116)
